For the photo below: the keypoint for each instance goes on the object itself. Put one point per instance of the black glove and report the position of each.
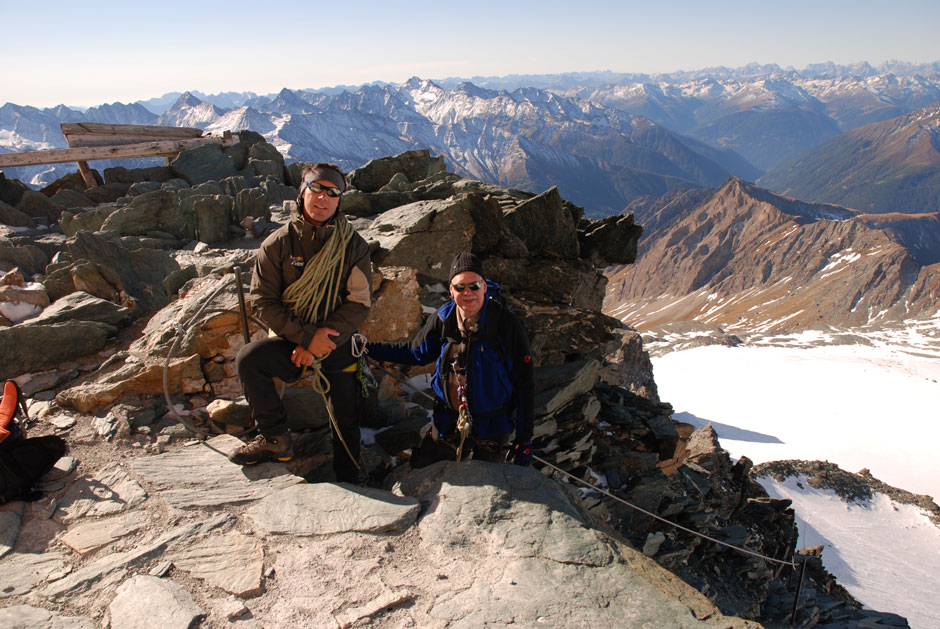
(521, 452)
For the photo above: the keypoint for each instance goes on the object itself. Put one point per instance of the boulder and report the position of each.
(11, 216)
(609, 241)
(546, 224)
(415, 165)
(11, 190)
(82, 306)
(213, 215)
(28, 348)
(250, 202)
(71, 181)
(629, 366)
(267, 168)
(423, 235)
(143, 187)
(203, 163)
(38, 205)
(71, 199)
(141, 271)
(395, 315)
(89, 220)
(558, 385)
(108, 193)
(276, 192)
(134, 377)
(29, 258)
(549, 281)
(159, 210)
(120, 174)
(292, 173)
(94, 279)
(559, 334)
(22, 302)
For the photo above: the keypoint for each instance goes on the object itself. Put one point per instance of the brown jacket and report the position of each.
(280, 262)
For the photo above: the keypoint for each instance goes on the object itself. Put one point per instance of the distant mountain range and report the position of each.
(890, 166)
(746, 259)
(603, 138)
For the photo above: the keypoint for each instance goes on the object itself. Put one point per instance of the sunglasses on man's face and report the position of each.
(474, 286)
(329, 190)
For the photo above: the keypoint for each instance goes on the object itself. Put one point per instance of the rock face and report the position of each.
(151, 513)
(746, 259)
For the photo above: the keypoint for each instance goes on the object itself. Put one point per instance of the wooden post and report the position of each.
(87, 176)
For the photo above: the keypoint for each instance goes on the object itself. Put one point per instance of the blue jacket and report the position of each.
(500, 384)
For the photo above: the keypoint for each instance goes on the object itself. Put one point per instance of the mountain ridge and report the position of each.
(749, 260)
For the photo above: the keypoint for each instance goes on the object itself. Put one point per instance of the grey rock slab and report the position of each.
(46, 380)
(386, 599)
(423, 235)
(144, 602)
(329, 508)
(29, 348)
(514, 511)
(22, 572)
(232, 562)
(110, 490)
(84, 307)
(93, 572)
(202, 476)
(88, 536)
(62, 468)
(11, 517)
(27, 617)
(559, 385)
(539, 558)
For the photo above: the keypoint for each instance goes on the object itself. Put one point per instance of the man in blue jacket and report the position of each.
(484, 372)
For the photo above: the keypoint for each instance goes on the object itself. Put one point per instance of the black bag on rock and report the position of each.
(23, 460)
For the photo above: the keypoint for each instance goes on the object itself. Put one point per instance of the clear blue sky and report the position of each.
(87, 53)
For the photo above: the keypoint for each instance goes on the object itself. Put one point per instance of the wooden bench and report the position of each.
(90, 141)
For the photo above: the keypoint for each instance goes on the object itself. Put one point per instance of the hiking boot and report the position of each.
(261, 448)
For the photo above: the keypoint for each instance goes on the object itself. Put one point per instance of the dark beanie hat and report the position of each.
(466, 261)
(323, 171)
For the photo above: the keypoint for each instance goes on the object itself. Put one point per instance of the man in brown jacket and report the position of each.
(312, 286)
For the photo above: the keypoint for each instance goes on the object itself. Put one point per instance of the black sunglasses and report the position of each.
(474, 286)
(329, 190)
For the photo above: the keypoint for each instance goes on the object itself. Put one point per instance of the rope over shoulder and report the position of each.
(315, 295)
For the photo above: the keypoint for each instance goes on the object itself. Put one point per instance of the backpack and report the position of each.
(23, 461)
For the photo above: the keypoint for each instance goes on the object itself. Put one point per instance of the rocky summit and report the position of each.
(122, 323)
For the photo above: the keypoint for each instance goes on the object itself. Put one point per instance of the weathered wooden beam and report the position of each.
(78, 141)
(150, 131)
(91, 153)
(86, 174)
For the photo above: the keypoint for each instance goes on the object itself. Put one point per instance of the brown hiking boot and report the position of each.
(261, 448)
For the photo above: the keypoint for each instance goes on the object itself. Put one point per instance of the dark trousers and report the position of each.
(430, 451)
(261, 361)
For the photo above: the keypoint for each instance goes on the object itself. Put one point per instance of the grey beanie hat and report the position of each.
(466, 261)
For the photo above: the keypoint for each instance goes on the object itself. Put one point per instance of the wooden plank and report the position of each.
(97, 128)
(78, 141)
(86, 174)
(91, 153)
